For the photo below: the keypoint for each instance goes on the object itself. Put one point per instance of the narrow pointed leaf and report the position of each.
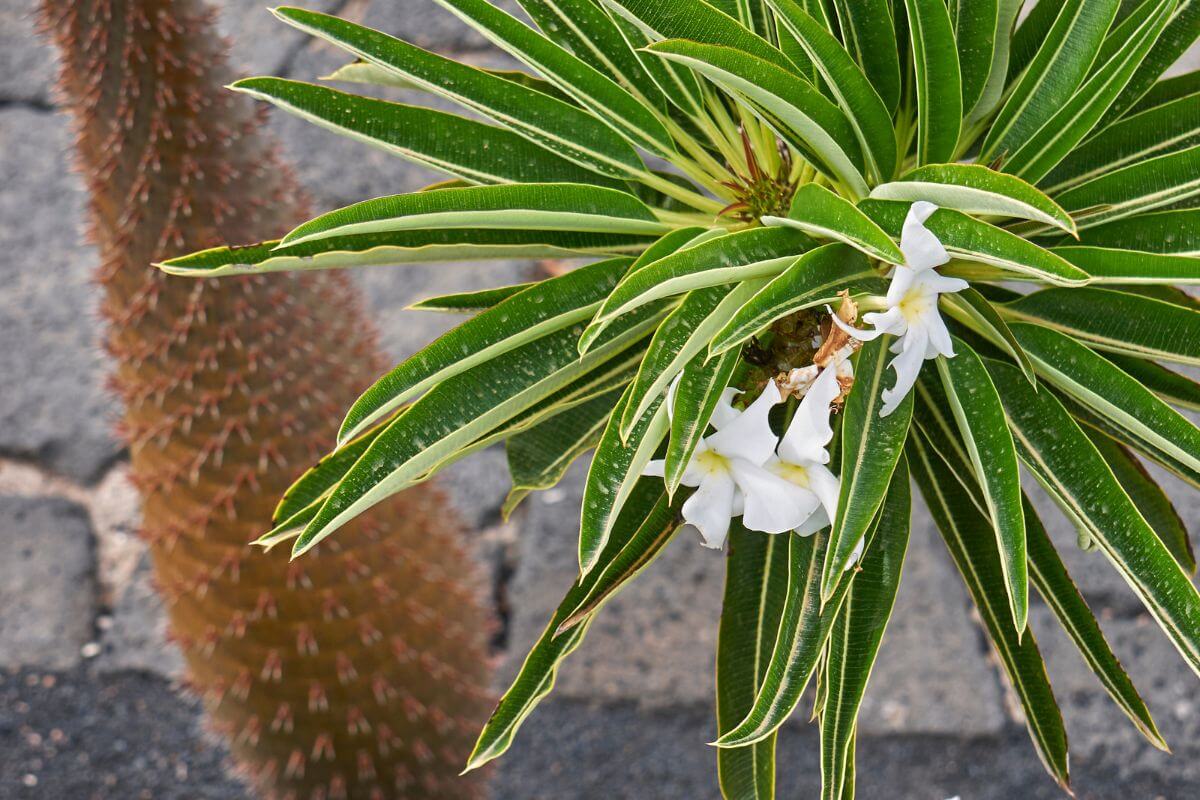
(616, 467)
(1135, 189)
(754, 253)
(445, 142)
(871, 448)
(1180, 34)
(546, 207)
(1175, 232)
(974, 240)
(848, 84)
(1065, 460)
(1107, 265)
(591, 88)
(469, 302)
(870, 36)
(976, 23)
(543, 308)
(960, 523)
(1116, 322)
(855, 639)
(1062, 61)
(823, 215)
(1167, 384)
(756, 585)
(799, 112)
(561, 127)
(981, 423)
(975, 189)
(815, 278)
(939, 92)
(974, 310)
(1001, 49)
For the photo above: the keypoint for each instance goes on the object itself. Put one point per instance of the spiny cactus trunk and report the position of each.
(353, 674)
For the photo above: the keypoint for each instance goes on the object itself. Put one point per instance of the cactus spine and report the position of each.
(353, 674)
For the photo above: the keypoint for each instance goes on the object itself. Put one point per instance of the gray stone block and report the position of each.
(260, 44)
(53, 407)
(136, 635)
(932, 675)
(47, 582)
(654, 643)
(26, 60)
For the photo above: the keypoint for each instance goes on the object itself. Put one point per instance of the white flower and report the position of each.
(912, 312)
(730, 479)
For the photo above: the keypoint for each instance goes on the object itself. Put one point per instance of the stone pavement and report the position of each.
(82, 648)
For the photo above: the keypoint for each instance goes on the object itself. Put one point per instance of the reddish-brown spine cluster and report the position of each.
(358, 671)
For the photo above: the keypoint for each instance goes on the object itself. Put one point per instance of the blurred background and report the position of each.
(91, 701)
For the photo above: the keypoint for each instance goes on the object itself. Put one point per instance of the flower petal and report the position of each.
(922, 250)
(816, 521)
(862, 334)
(908, 367)
(724, 412)
(773, 504)
(749, 436)
(810, 431)
(710, 508)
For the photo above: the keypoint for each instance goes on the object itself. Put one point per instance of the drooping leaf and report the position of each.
(855, 639)
(938, 79)
(815, 278)
(1064, 459)
(756, 587)
(993, 457)
(959, 522)
(976, 312)
(822, 214)
(468, 302)
(871, 448)
(975, 189)
(1167, 384)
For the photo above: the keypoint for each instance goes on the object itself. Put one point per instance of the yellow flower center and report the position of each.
(712, 462)
(793, 473)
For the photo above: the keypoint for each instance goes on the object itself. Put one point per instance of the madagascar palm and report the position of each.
(733, 169)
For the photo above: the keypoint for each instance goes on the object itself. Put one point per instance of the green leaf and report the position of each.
(855, 639)
(591, 88)
(959, 521)
(976, 23)
(870, 37)
(753, 253)
(1062, 62)
(999, 39)
(444, 142)
(756, 588)
(984, 430)
(616, 467)
(535, 679)
(1179, 35)
(533, 206)
(650, 539)
(1072, 122)
(1116, 322)
(540, 456)
(543, 308)
(939, 82)
(1175, 232)
(799, 112)
(815, 278)
(469, 302)
(1062, 458)
(1107, 265)
(682, 335)
(848, 84)
(1151, 501)
(1158, 131)
(462, 408)
(583, 28)
(1054, 584)
(975, 311)
(700, 387)
(1135, 189)
(392, 249)
(1104, 389)
(698, 22)
(1167, 90)
(871, 447)
(822, 214)
(365, 72)
(1170, 386)
(560, 127)
(805, 625)
(976, 189)
(967, 238)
